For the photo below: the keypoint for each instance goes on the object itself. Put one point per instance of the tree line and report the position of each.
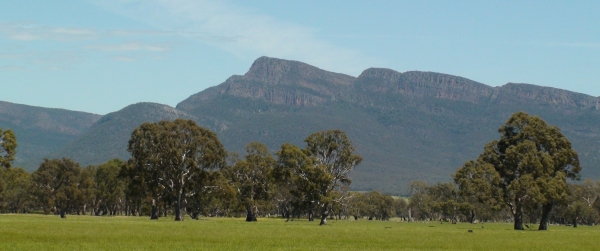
(179, 168)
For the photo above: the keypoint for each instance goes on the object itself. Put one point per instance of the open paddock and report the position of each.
(48, 232)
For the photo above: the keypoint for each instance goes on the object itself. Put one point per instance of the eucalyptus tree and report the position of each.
(479, 185)
(109, 187)
(448, 204)
(333, 151)
(84, 194)
(252, 177)
(135, 191)
(401, 207)
(580, 207)
(215, 196)
(532, 161)
(56, 185)
(15, 190)
(8, 147)
(589, 191)
(171, 155)
(297, 174)
(420, 204)
(294, 178)
(282, 195)
(379, 206)
(357, 206)
(2, 186)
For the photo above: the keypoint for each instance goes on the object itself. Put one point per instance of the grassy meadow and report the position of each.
(44, 232)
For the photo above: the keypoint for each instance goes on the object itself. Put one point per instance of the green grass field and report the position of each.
(42, 232)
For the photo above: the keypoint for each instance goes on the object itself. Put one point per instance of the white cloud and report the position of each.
(15, 56)
(31, 32)
(87, 39)
(53, 60)
(11, 68)
(124, 58)
(240, 31)
(130, 46)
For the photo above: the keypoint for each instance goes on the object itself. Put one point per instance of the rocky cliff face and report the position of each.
(512, 92)
(298, 84)
(396, 119)
(281, 95)
(423, 84)
(275, 71)
(278, 81)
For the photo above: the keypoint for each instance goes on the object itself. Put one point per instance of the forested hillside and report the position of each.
(41, 131)
(407, 126)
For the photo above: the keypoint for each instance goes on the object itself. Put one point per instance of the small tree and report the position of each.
(334, 152)
(304, 180)
(8, 147)
(56, 185)
(420, 204)
(109, 187)
(15, 190)
(252, 177)
(479, 185)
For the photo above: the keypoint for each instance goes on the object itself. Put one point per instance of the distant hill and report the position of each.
(407, 126)
(413, 125)
(108, 137)
(41, 131)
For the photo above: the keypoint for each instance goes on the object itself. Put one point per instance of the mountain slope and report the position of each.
(41, 131)
(407, 126)
(108, 137)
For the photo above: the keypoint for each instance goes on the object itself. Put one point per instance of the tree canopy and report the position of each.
(252, 177)
(181, 168)
(58, 185)
(332, 151)
(528, 165)
(8, 147)
(173, 156)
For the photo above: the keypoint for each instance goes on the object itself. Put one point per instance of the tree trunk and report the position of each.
(310, 215)
(62, 213)
(519, 217)
(250, 216)
(154, 212)
(575, 222)
(324, 214)
(409, 215)
(178, 215)
(546, 209)
(472, 217)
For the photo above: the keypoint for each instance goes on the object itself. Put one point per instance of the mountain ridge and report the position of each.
(408, 126)
(40, 131)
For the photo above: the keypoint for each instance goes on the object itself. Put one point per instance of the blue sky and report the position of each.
(100, 56)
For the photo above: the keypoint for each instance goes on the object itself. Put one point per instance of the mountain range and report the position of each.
(407, 126)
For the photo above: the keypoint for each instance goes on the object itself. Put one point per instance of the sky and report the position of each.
(99, 56)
